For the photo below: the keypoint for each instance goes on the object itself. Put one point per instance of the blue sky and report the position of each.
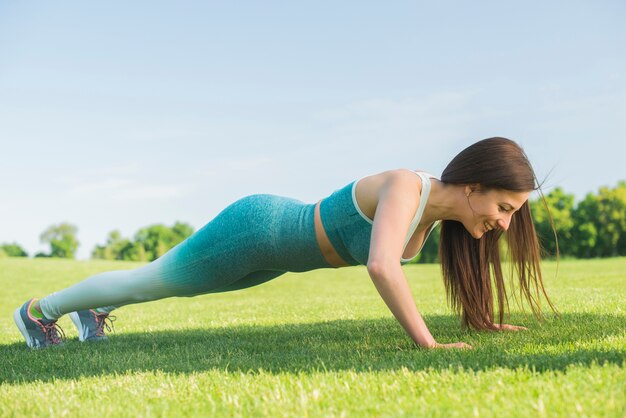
(119, 115)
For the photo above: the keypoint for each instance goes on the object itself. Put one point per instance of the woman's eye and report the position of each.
(502, 209)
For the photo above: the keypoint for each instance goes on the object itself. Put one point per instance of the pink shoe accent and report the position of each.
(102, 323)
(51, 329)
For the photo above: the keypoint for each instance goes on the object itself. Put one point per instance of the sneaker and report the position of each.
(38, 332)
(91, 324)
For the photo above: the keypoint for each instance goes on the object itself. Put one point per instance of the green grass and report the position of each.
(320, 343)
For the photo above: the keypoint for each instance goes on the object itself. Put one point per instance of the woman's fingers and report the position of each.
(459, 345)
(509, 327)
(463, 346)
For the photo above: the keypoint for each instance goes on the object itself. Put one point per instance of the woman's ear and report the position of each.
(471, 188)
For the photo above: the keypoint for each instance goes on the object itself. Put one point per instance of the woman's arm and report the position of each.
(396, 207)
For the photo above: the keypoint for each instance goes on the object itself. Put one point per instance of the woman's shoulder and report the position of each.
(368, 188)
(402, 171)
(377, 179)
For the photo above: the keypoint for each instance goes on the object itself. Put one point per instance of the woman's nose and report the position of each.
(504, 223)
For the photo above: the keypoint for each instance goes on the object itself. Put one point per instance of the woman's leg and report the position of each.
(253, 240)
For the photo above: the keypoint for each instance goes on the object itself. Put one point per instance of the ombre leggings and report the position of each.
(253, 240)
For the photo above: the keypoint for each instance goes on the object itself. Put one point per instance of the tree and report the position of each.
(149, 243)
(601, 223)
(138, 253)
(560, 205)
(430, 250)
(13, 250)
(62, 240)
(158, 239)
(182, 230)
(620, 193)
(113, 249)
(119, 248)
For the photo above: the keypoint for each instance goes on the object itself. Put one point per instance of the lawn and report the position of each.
(320, 343)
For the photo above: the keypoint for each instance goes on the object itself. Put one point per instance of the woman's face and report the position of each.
(491, 209)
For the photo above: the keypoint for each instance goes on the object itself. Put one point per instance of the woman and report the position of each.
(380, 221)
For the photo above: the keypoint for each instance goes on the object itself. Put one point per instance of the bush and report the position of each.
(13, 250)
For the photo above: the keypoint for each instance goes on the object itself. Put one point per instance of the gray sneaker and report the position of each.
(91, 324)
(37, 332)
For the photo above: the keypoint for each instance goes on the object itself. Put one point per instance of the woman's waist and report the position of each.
(346, 229)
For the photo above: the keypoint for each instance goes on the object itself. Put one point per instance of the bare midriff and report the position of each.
(327, 249)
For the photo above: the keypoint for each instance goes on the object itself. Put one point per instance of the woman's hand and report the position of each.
(508, 327)
(459, 345)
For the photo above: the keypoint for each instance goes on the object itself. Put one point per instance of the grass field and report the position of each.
(320, 343)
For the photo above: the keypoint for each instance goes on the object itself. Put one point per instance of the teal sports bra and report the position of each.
(350, 230)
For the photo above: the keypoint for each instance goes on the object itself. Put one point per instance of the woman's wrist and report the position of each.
(429, 344)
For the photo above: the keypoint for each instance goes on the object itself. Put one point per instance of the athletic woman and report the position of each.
(380, 221)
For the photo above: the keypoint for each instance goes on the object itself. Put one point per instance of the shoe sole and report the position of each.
(79, 326)
(17, 317)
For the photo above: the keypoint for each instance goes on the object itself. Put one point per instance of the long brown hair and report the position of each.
(471, 267)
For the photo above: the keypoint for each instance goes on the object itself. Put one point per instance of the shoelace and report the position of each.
(53, 332)
(101, 321)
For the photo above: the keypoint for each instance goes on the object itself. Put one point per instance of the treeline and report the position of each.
(148, 243)
(595, 227)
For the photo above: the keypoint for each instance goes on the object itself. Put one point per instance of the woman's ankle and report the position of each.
(35, 310)
(37, 307)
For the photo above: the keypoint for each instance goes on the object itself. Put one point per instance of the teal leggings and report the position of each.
(253, 240)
